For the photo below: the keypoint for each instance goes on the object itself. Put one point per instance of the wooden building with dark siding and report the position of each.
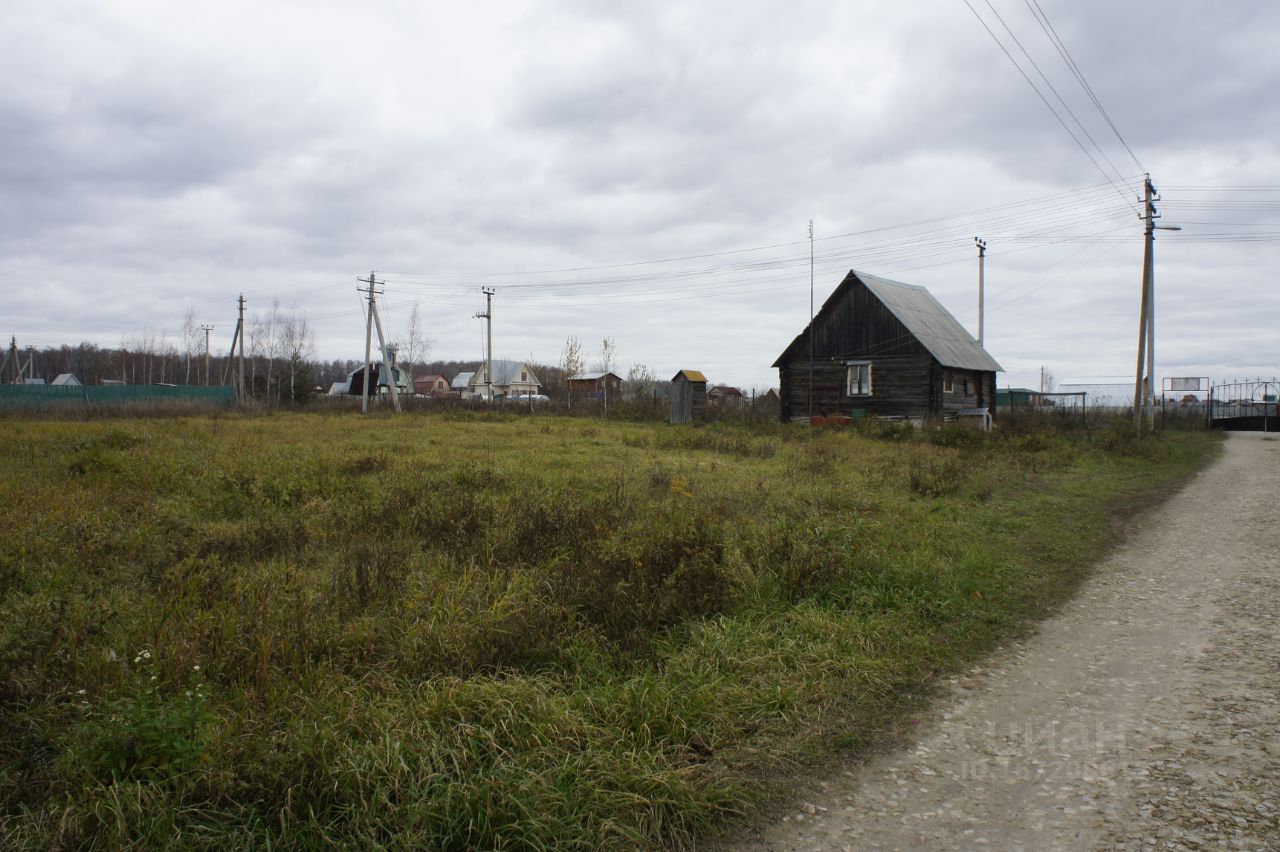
(886, 349)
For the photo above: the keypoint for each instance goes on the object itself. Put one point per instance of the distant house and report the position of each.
(1010, 398)
(339, 389)
(605, 387)
(461, 384)
(355, 380)
(725, 395)
(884, 348)
(434, 385)
(510, 379)
(66, 379)
(688, 396)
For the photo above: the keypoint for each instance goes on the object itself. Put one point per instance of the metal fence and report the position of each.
(1246, 405)
(34, 396)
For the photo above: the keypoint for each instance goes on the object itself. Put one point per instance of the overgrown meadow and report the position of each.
(487, 631)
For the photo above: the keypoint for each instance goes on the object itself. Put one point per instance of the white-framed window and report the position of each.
(859, 380)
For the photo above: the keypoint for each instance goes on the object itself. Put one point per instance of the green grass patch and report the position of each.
(483, 631)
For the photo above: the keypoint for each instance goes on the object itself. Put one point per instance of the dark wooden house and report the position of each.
(886, 349)
(602, 387)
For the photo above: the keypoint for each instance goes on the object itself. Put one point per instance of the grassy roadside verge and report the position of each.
(459, 632)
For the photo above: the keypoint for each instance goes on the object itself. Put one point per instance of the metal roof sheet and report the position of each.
(461, 381)
(931, 324)
(508, 372)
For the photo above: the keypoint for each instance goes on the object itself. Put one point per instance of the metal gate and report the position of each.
(1248, 406)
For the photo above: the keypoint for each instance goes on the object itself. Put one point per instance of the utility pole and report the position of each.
(11, 356)
(487, 316)
(811, 328)
(1144, 394)
(372, 321)
(206, 329)
(241, 393)
(982, 270)
(368, 344)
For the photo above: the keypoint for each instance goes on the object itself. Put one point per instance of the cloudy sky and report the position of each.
(643, 171)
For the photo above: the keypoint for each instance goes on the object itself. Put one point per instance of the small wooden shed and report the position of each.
(688, 396)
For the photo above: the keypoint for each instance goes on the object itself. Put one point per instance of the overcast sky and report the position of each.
(642, 171)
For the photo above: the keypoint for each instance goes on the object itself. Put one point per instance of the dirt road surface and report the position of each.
(1144, 715)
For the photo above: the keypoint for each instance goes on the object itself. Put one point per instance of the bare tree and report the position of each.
(608, 355)
(415, 347)
(297, 342)
(189, 333)
(640, 382)
(273, 347)
(571, 363)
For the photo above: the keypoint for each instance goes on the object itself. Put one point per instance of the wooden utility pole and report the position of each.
(982, 270)
(1144, 393)
(487, 316)
(1145, 358)
(372, 320)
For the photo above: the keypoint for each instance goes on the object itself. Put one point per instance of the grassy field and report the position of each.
(478, 631)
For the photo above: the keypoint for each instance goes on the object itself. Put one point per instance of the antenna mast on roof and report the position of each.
(810, 320)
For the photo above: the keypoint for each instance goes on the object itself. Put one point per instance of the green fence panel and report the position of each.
(21, 396)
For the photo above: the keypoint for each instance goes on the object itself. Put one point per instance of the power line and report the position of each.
(1043, 19)
(1053, 89)
(1045, 101)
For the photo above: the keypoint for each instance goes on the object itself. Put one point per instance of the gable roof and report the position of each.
(507, 372)
(940, 333)
(461, 381)
(689, 376)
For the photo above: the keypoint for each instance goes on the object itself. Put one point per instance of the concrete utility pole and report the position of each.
(372, 320)
(487, 316)
(982, 270)
(206, 329)
(11, 356)
(241, 394)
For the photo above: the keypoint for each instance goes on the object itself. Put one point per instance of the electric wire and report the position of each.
(1045, 101)
(1046, 25)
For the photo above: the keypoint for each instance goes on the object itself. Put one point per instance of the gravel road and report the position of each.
(1144, 715)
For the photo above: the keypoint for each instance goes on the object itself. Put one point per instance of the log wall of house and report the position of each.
(906, 380)
(860, 328)
(900, 387)
(981, 391)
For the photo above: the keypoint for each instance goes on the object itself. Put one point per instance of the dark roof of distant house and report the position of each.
(915, 307)
(726, 390)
